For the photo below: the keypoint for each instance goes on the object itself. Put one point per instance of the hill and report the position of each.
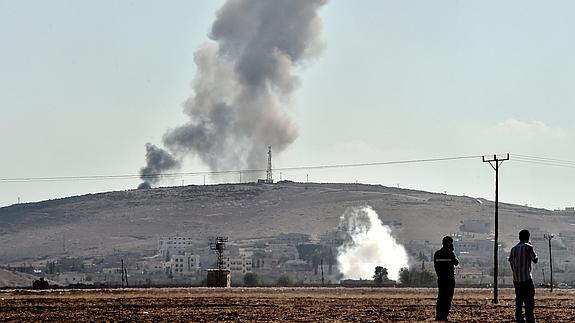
(102, 224)
(14, 279)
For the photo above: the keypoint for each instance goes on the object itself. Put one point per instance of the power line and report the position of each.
(563, 161)
(545, 161)
(542, 163)
(379, 163)
(223, 172)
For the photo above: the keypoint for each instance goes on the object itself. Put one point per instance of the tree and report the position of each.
(330, 261)
(308, 251)
(313, 254)
(40, 284)
(380, 275)
(284, 280)
(416, 277)
(251, 280)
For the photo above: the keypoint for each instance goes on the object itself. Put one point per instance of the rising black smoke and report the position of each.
(157, 161)
(243, 82)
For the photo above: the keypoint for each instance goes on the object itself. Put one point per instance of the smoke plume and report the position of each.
(369, 244)
(157, 161)
(243, 83)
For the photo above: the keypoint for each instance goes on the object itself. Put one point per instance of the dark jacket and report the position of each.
(444, 261)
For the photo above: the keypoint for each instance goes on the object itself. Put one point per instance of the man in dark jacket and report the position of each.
(444, 261)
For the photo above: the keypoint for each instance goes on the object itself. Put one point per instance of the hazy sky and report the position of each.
(85, 84)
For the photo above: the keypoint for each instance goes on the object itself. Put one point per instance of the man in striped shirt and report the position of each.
(520, 258)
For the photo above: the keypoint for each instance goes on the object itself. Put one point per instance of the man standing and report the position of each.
(520, 259)
(444, 261)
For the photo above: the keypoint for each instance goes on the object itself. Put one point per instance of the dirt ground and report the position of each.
(273, 305)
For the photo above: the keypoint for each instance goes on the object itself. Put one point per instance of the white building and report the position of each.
(174, 245)
(185, 264)
(241, 264)
(153, 265)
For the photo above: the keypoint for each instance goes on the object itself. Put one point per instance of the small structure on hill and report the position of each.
(219, 277)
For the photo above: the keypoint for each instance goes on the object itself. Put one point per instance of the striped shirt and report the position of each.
(520, 259)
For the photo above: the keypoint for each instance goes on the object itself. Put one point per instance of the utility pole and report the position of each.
(495, 162)
(321, 264)
(126, 275)
(122, 269)
(548, 237)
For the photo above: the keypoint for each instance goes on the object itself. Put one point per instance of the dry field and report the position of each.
(272, 305)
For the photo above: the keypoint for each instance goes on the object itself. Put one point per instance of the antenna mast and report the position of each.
(269, 175)
(219, 246)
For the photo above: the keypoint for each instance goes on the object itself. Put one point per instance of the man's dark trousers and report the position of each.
(444, 297)
(524, 293)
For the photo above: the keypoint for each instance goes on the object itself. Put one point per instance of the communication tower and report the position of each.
(269, 175)
(219, 246)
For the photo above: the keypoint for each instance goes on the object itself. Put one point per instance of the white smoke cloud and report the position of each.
(370, 244)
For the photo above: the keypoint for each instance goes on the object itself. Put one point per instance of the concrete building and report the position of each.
(291, 239)
(471, 247)
(174, 245)
(186, 264)
(241, 264)
(153, 265)
(283, 251)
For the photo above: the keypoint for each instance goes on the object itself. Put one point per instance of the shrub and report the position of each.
(251, 280)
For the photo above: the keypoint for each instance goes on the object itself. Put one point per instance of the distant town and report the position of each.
(297, 259)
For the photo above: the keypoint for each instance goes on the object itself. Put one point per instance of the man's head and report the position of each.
(447, 242)
(524, 235)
